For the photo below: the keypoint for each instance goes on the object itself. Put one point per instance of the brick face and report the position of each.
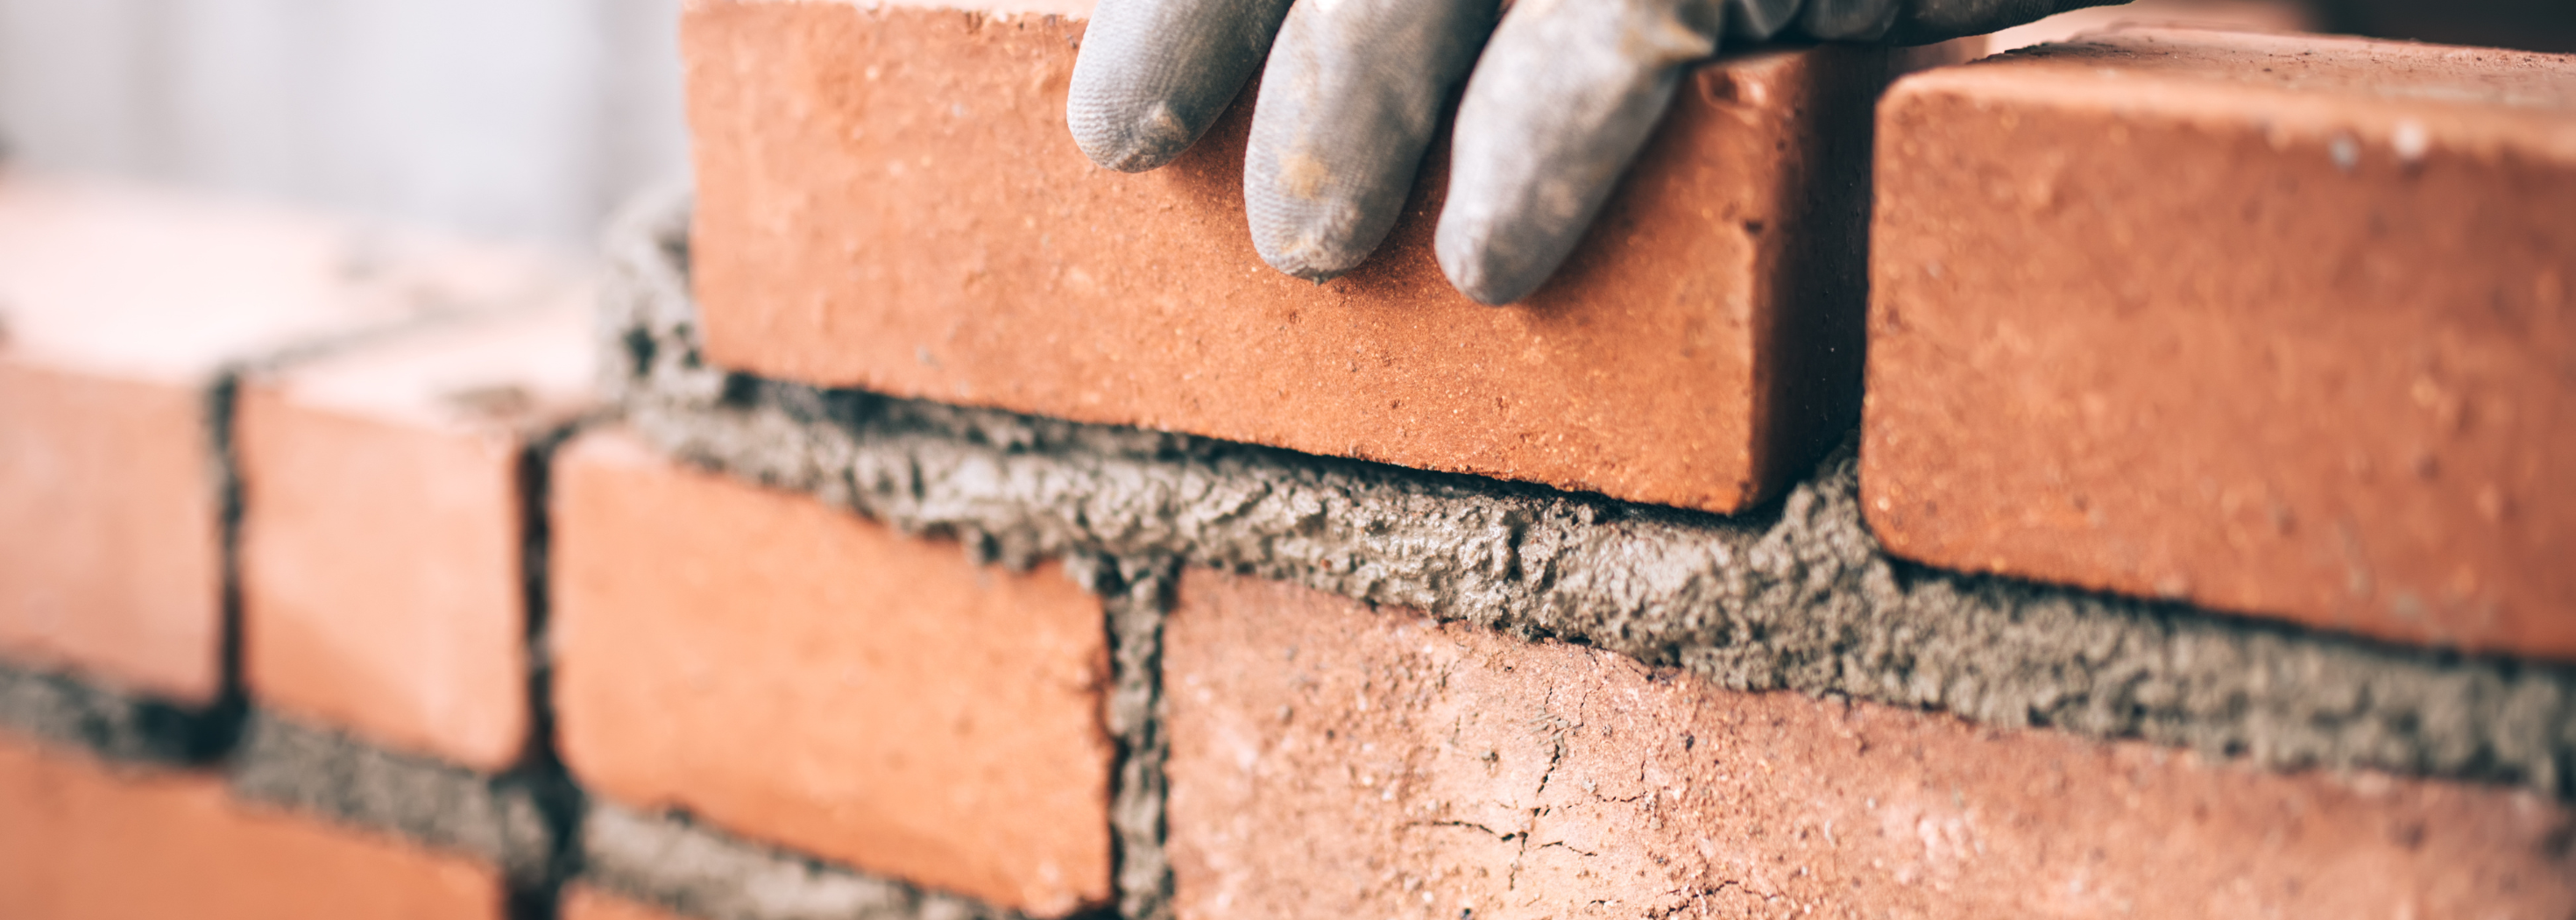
(109, 553)
(382, 532)
(120, 307)
(796, 674)
(1329, 759)
(2298, 344)
(888, 198)
(86, 842)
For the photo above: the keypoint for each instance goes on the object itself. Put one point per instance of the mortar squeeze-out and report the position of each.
(1798, 596)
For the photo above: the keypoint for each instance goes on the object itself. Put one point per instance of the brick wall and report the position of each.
(425, 578)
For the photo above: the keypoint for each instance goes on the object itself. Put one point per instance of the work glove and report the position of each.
(1561, 98)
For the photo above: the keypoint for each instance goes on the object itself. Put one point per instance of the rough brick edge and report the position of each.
(1797, 596)
(674, 863)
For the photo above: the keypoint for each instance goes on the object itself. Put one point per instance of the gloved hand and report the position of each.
(1561, 98)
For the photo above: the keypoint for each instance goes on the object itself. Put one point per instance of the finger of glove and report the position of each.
(1923, 22)
(1563, 97)
(1351, 96)
(1847, 20)
(1154, 74)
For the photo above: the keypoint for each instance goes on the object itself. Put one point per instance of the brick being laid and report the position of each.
(385, 527)
(2275, 324)
(1330, 758)
(125, 312)
(796, 675)
(89, 841)
(888, 199)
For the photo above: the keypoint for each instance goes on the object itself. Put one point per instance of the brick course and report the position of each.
(1329, 759)
(2272, 324)
(793, 673)
(84, 841)
(382, 533)
(122, 312)
(889, 199)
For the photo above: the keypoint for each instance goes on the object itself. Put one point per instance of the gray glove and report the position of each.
(1562, 97)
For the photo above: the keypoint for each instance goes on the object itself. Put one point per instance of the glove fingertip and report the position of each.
(1477, 270)
(1147, 137)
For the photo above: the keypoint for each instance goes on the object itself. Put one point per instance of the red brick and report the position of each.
(2273, 324)
(581, 902)
(83, 841)
(118, 307)
(888, 199)
(1333, 760)
(797, 674)
(382, 532)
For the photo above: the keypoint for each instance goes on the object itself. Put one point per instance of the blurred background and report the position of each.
(530, 119)
(525, 119)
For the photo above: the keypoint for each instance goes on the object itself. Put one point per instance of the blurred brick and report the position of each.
(582, 902)
(793, 673)
(888, 198)
(2272, 324)
(82, 841)
(119, 309)
(382, 529)
(1330, 759)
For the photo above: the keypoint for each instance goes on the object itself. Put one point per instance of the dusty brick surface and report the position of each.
(85, 842)
(792, 673)
(2272, 324)
(120, 308)
(382, 529)
(1330, 759)
(888, 198)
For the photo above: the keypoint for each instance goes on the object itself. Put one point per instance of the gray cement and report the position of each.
(65, 710)
(1135, 598)
(325, 773)
(1796, 597)
(676, 864)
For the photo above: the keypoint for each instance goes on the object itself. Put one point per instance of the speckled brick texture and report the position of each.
(1330, 759)
(798, 675)
(890, 200)
(2271, 324)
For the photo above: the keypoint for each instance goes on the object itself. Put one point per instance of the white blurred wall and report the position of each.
(520, 118)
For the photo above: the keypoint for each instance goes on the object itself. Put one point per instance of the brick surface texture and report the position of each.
(888, 198)
(2298, 345)
(382, 533)
(1329, 760)
(796, 674)
(119, 307)
(83, 841)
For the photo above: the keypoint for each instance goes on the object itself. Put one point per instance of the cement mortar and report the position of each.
(1135, 600)
(676, 864)
(111, 724)
(1795, 597)
(322, 772)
